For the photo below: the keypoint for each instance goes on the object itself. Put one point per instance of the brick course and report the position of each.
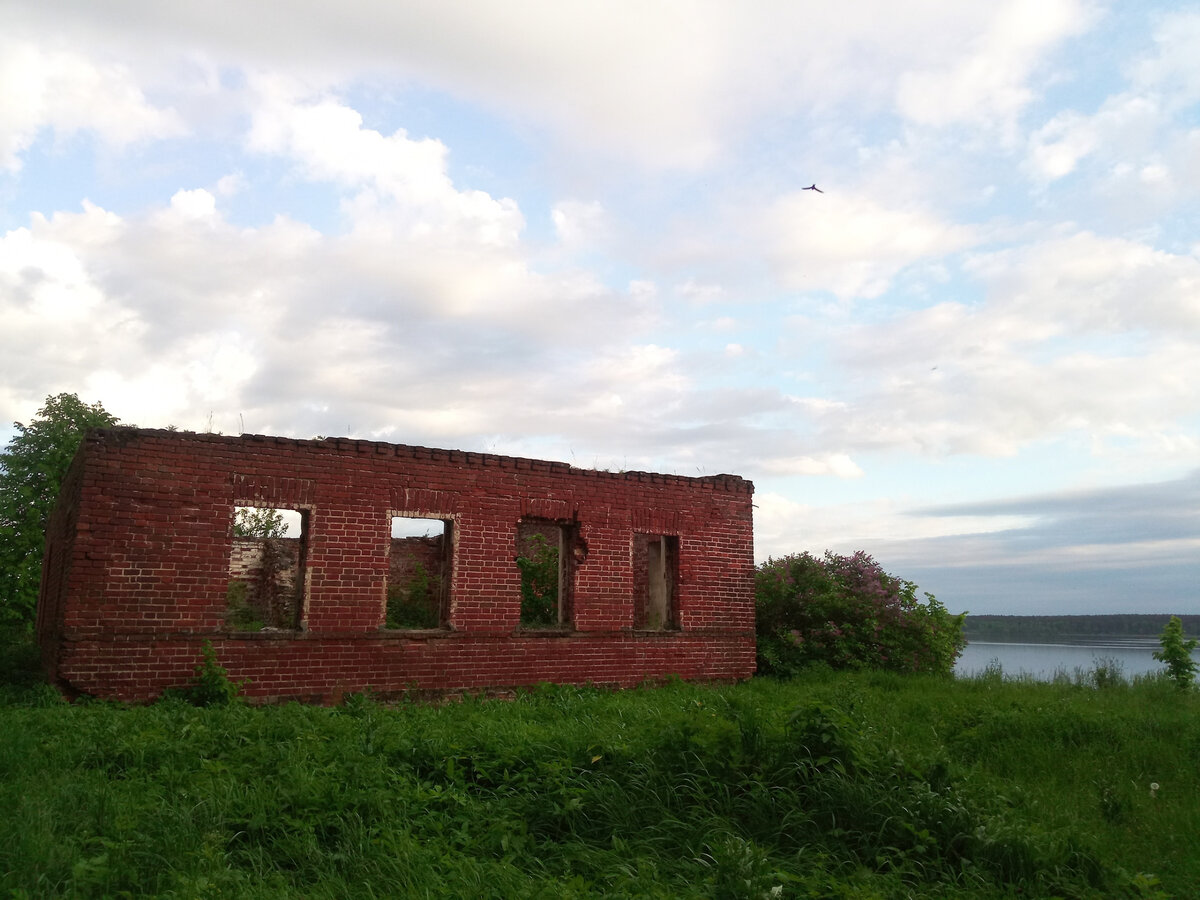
(138, 559)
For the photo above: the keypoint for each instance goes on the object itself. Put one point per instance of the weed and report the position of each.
(1108, 672)
(211, 685)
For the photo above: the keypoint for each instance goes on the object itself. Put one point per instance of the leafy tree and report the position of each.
(32, 468)
(253, 522)
(846, 612)
(1177, 654)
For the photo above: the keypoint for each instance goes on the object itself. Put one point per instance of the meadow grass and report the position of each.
(851, 785)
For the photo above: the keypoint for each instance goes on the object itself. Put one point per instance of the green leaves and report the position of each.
(32, 468)
(847, 613)
(539, 582)
(1177, 654)
(255, 522)
(212, 685)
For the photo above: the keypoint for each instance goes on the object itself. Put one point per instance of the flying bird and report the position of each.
(813, 187)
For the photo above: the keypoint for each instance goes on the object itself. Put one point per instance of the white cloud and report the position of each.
(1136, 123)
(579, 223)
(837, 464)
(700, 294)
(666, 85)
(1087, 283)
(402, 189)
(1057, 348)
(1173, 67)
(986, 80)
(68, 93)
(851, 245)
(231, 184)
(1124, 125)
(462, 337)
(196, 204)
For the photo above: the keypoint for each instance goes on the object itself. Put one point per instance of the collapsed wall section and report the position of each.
(540, 572)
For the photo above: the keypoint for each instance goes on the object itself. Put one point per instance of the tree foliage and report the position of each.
(1176, 653)
(32, 468)
(846, 612)
(255, 522)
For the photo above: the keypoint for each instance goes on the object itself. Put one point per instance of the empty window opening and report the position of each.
(266, 569)
(419, 565)
(545, 559)
(655, 572)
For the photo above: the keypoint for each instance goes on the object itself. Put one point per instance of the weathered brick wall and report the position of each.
(138, 559)
(246, 559)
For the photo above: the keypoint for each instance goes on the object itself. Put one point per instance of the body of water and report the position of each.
(1042, 661)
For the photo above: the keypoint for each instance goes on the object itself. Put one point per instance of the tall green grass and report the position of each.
(833, 785)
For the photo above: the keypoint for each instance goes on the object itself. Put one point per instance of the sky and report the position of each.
(578, 231)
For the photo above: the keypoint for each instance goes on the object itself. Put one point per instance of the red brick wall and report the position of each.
(138, 565)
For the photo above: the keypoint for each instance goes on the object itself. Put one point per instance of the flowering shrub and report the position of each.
(846, 612)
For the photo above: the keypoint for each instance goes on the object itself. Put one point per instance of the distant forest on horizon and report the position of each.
(1047, 628)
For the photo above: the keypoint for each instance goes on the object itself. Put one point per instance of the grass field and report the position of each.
(833, 785)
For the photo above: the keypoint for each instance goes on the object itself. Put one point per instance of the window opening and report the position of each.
(266, 569)
(546, 564)
(655, 572)
(419, 562)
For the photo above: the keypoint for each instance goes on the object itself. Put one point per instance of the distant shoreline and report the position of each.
(1048, 628)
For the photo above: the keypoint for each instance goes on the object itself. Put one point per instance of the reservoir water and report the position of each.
(1042, 661)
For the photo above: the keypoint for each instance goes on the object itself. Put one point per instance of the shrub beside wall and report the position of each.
(846, 612)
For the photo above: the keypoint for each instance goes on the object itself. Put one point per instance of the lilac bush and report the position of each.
(847, 613)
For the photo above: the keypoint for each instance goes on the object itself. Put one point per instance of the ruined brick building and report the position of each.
(404, 568)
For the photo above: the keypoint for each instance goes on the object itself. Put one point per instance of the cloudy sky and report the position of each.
(577, 231)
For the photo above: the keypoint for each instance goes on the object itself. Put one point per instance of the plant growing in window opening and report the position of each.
(416, 603)
(539, 582)
(239, 614)
(1176, 653)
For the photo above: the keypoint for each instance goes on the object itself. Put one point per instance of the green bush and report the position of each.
(212, 685)
(847, 613)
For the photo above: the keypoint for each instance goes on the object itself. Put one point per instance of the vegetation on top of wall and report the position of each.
(847, 613)
(32, 468)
